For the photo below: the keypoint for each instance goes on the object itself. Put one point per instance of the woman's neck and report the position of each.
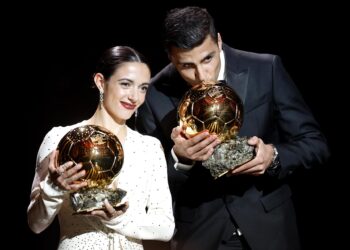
(101, 118)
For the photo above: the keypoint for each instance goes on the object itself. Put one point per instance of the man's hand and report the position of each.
(196, 148)
(258, 165)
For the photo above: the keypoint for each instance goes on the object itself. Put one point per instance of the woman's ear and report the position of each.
(99, 81)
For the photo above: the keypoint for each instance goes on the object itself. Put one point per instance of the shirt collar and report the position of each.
(222, 68)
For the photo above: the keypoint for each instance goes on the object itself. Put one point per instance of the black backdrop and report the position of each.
(58, 45)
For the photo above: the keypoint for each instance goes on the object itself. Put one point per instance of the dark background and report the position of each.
(58, 44)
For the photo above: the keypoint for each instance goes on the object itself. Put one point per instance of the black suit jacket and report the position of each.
(261, 206)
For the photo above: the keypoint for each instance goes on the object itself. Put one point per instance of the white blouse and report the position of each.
(143, 176)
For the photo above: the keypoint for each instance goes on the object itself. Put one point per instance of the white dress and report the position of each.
(143, 176)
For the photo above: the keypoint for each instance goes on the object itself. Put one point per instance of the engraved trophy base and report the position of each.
(89, 199)
(229, 155)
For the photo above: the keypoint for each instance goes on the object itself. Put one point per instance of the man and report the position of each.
(250, 207)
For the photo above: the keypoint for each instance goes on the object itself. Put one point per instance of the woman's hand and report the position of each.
(110, 212)
(67, 175)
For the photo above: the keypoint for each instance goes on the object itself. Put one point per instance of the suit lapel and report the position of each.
(239, 82)
(236, 74)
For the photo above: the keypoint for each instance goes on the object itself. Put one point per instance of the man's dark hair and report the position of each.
(186, 28)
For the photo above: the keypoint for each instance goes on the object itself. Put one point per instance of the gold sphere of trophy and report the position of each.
(216, 107)
(102, 156)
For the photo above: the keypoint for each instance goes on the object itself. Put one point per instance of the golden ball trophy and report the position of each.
(102, 156)
(215, 107)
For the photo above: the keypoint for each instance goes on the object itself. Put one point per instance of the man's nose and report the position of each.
(200, 74)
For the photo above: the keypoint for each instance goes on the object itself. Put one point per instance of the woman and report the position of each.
(122, 78)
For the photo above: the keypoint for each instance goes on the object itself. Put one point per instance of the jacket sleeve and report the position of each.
(301, 141)
(145, 122)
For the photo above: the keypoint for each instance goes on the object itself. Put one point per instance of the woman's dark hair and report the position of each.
(113, 57)
(186, 28)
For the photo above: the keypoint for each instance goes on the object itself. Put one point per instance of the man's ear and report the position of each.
(219, 41)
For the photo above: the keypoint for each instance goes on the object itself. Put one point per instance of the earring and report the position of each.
(135, 119)
(101, 99)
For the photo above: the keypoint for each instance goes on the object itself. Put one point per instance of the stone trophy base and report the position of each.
(229, 155)
(89, 199)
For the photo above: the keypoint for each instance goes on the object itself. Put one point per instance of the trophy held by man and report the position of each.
(215, 107)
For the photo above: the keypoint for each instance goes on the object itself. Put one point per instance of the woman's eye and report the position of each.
(144, 88)
(125, 84)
